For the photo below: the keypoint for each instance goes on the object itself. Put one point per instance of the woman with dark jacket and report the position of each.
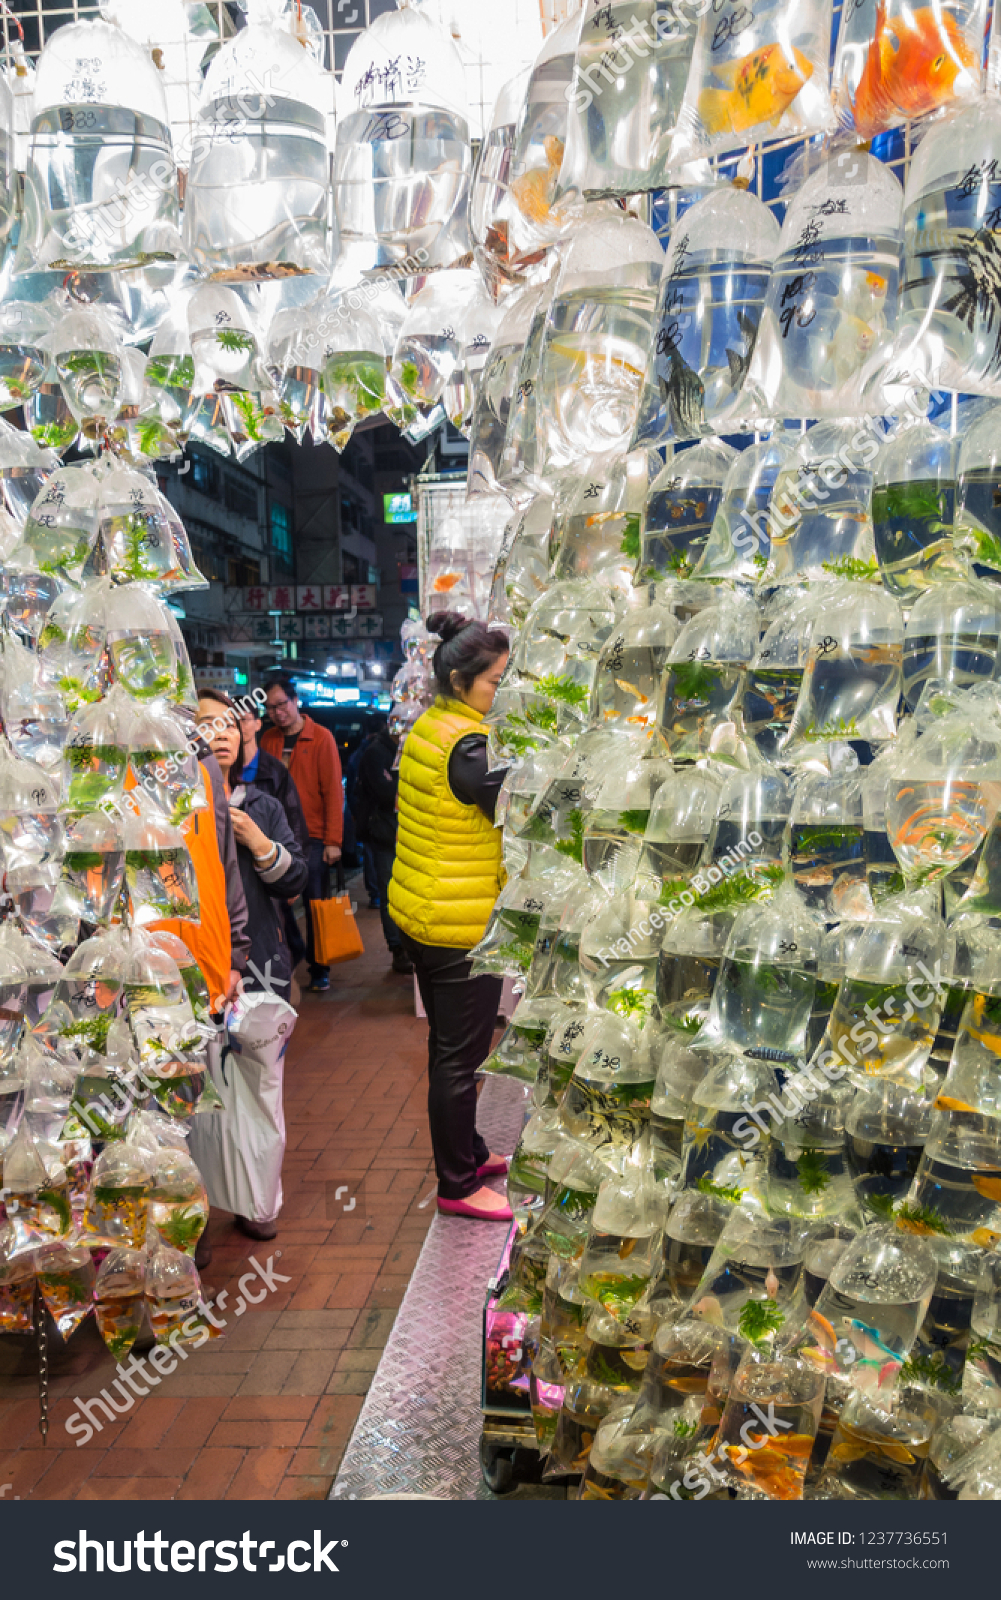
(271, 861)
(273, 870)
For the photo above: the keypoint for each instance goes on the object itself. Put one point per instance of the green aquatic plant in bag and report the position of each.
(158, 867)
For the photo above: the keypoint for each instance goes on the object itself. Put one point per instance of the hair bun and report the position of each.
(447, 624)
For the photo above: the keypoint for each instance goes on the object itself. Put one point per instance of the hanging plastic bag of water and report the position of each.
(755, 75)
(630, 72)
(680, 509)
(819, 520)
(912, 509)
(257, 200)
(496, 392)
(402, 157)
(831, 307)
(739, 542)
(599, 329)
(711, 296)
(100, 185)
(896, 62)
(950, 310)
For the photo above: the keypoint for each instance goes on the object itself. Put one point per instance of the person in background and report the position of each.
(375, 819)
(445, 880)
(265, 772)
(310, 754)
(273, 869)
(273, 777)
(219, 941)
(350, 798)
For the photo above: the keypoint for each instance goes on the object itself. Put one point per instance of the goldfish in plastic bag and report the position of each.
(533, 192)
(761, 88)
(912, 66)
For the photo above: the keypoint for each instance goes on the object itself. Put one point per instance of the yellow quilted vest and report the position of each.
(447, 871)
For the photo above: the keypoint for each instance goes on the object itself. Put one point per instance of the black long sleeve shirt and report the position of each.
(468, 777)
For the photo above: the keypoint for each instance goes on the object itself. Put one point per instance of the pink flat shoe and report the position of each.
(466, 1208)
(496, 1168)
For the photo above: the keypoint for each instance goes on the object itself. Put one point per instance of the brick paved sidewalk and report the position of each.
(266, 1411)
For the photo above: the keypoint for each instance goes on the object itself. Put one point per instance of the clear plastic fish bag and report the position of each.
(402, 155)
(680, 508)
(826, 843)
(739, 542)
(497, 390)
(913, 501)
(977, 526)
(518, 1052)
(257, 206)
(820, 522)
(622, 1254)
(599, 329)
(607, 1101)
(718, 1160)
(100, 185)
(950, 310)
(599, 532)
(158, 868)
(712, 292)
(755, 75)
(852, 677)
(630, 72)
(705, 679)
(896, 62)
(890, 1003)
(630, 667)
(523, 216)
(831, 308)
(943, 796)
(763, 997)
(616, 823)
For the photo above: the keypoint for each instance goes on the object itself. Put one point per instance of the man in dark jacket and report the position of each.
(375, 819)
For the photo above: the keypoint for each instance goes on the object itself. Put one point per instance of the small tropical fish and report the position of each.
(912, 66)
(946, 1102)
(709, 1309)
(701, 1137)
(772, 1284)
(985, 1238)
(694, 1385)
(760, 88)
(822, 1331)
(445, 581)
(852, 342)
(630, 688)
(626, 1248)
(534, 191)
(685, 393)
(739, 364)
(989, 1187)
(873, 1353)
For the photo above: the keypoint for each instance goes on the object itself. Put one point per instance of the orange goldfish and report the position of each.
(947, 1102)
(912, 66)
(761, 88)
(989, 1187)
(985, 1238)
(534, 190)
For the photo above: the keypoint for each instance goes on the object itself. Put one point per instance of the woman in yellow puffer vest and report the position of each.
(446, 877)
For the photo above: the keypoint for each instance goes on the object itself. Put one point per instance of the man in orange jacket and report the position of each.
(310, 754)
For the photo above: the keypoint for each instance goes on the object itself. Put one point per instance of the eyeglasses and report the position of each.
(277, 705)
